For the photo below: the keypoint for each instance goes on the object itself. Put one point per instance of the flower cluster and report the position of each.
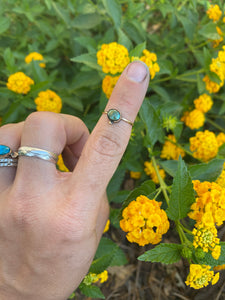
(150, 171)
(206, 238)
(209, 205)
(196, 118)
(170, 150)
(214, 13)
(113, 58)
(150, 58)
(93, 277)
(35, 56)
(218, 67)
(144, 221)
(204, 145)
(108, 84)
(48, 101)
(200, 276)
(19, 83)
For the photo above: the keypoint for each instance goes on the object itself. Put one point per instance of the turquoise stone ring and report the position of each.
(114, 116)
(8, 158)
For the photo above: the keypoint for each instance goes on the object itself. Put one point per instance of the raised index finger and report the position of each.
(107, 142)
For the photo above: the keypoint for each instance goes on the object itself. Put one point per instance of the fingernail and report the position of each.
(137, 71)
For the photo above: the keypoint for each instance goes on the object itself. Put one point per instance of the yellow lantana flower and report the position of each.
(193, 119)
(203, 103)
(108, 84)
(35, 56)
(220, 139)
(204, 145)
(211, 86)
(144, 221)
(214, 13)
(113, 58)
(150, 58)
(170, 150)
(19, 83)
(200, 276)
(106, 226)
(48, 101)
(209, 205)
(206, 238)
(150, 171)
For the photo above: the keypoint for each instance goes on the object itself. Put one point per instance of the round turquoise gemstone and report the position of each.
(4, 150)
(113, 115)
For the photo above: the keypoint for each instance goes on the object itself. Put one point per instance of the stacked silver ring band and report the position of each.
(9, 158)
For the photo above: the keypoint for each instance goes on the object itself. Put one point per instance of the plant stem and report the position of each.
(215, 125)
(162, 183)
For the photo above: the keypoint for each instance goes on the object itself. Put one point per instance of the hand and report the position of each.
(51, 222)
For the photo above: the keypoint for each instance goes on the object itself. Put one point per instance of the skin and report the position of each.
(51, 222)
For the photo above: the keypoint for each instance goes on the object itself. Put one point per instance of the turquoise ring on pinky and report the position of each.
(8, 158)
(114, 116)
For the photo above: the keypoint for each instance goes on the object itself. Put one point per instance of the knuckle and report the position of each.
(108, 145)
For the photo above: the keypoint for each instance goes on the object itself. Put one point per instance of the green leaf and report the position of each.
(4, 24)
(124, 40)
(209, 31)
(91, 291)
(114, 10)
(164, 253)
(152, 123)
(9, 60)
(200, 84)
(107, 246)
(189, 26)
(62, 13)
(221, 151)
(88, 59)
(182, 195)
(170, 166)
(137, 51)
(87, 42)
(207, 171)
(86, 21)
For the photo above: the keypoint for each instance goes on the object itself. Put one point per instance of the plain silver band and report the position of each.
(38, 153)
(8, 162)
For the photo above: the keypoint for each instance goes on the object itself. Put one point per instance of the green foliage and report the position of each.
(164, 253)
(182, 194)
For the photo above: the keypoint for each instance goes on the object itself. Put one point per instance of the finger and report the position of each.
(51, 132)
(10, 135)
(107, 143)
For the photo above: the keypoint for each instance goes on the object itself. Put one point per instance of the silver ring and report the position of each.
(38, 153)
(114, 116)
(8, 162)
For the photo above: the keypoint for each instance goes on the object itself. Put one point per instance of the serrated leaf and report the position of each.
(207, 171)
(91, 291)
(152, 123)
(88, 59)
(182, 195)
(114, 10)
(137, 51)
(164, 253)
(87, 42)
(9, 60)
(189, 26)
